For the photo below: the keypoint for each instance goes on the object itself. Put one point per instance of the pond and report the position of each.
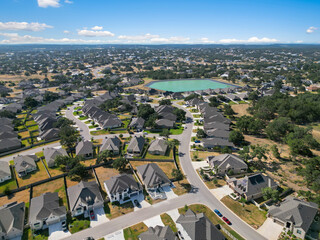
(186, 85)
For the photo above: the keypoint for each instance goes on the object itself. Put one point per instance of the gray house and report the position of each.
(198, 226)
(294, 215)
(5, 172)
(9, 144)
(250, 187)
(152, 176)
(25, 164)
(137, 123)
(122, 188)
(136, 145)
(84, 197)
(12, 220)
(45, 211)
(158, 147)
(226, 163)
(158, 233)
(111, 144)
(85, 149)
(164, 123)
(50, 155)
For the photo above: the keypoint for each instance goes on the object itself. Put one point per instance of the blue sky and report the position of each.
(159, 21)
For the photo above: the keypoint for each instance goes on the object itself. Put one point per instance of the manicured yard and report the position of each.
(35, 176)
(30, 122)
(165, 166)
(33, 128)
(247, 212)
(132, 233)
(83, 118)
(199, 208)
(167, 221)
(10, 185)
(169, 155)
(176, 131)
(113, 211)
(24, 134)
(78, 224)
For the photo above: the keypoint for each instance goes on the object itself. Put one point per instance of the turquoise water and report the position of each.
(187, 85)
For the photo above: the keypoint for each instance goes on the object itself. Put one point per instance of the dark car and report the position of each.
(136, 202)
(92, 215)
(226, 220)
(217, 212)
(197, 141)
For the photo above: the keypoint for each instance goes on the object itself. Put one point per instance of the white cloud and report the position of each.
(49, 3)
(68, 1)
(170, 40)
(137, 38)
(250, 40)
(206, 40)
(311, 29)
(34, 26)
(97, 28)
(299, 41)
(152, 38)
(91, 33)
(66, 31)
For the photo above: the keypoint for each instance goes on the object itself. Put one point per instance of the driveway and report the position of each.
(169, 192)
(154, 221)
(56, 232)
(221, 191)
(270, 229)
(200, 164)
(99, 217)
(115, 236)
(174, 214)
(142, 202)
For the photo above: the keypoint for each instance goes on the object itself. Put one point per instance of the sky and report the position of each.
(159, 21)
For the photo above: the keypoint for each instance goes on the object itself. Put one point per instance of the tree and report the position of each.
(78, 171)
(278, 128)
(165, 102)
(201, 133)
(236, 137)
(269, 193)
(180, 113)
(172, 143)
(30, 102)
(228, 110)
(69, 137)
(104, 156)
(311, 173)
(63, 122)
(177, 174)
(120, 164)
(165, 133)
(145, 111)
(275, 151)
(214, 102)
(258, 151)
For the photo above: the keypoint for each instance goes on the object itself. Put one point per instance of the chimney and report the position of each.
(269, 182)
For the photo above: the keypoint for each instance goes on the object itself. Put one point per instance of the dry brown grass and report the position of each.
(104, 173)
(18, 78)
(89, 162)
(165, 166)
(35, 176)
(203, 154)
(52, 186)
(142, 86)
(22, 196)
(181, 187)
(24, 134)
(116, 211)
(240, 109)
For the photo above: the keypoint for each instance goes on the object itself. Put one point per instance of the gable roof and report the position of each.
(226, 161)
(4, 169)
(51, 153)
(84, 147)
(45, 206)
(111, 144)
(152, 175)
(158, 233)
(21, 163)
(158, 145)
(136, 144)
(12, 218)
(10, 143)
(165, 123)
(299, 212)
(199, 227)
(137, 122)
(119, 183)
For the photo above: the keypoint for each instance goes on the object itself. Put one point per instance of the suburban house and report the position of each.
(50, 155)
(158, 233)
(84, 197)
(250, 187)
(198, 226)
(111, 144)
(45, 211)
(9, 144)
(136, 145)
(84, 149)
(137, 123)
(12, 220)
(122, 188)
(294, 215)
(158, 147)
(5, 172)
(216, 142)
(25, 164)
(152, 176)
(227, 163)
(164, 123)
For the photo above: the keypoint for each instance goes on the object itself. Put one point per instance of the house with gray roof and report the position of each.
(158, 147)
(225, 163)
(158, 233)
(199, 227)
(136, 145)
(137, 123)
(45, 210)
(152, 176)
(84, 149)
(50, 155)
(111, 144)
(164, 123)
(84, 197)
(9, 144)
(122, 188)
(12, 220)
(216, 142)
(250, 187)
(294, 215)
(25, 164)
(5, 172)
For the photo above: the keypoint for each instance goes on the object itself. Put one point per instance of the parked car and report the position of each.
(218, 212)
(197, 141)
(226, 220)
(136, 202)
(98, 128)
(92, 215)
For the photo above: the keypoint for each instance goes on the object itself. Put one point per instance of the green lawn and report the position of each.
(78, 224)
(83, 118)
(126, 122)
(176, 131)
(10, 185)
(30, 122)
(132, 233)
(169, 155)
(167, 221)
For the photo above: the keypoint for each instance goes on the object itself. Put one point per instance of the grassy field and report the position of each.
(167, 221)
(199, 208)
(32, 177)
(30, 122)
(22, 196)
(165, 166)
(53, 171)
(113, 211)
(10, 185)
(247, 212)
(181, 187)
(132, 233)
(104, 173)
(202, 155)
(169, 155)
(24, 134)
